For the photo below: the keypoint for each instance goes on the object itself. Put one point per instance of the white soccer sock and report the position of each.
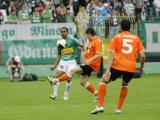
(68, 85)
(55, 89)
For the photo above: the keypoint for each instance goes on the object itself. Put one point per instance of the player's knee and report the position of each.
(106, 81)
(72, 72)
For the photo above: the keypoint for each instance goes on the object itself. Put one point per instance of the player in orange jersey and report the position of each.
(122, 62)
(92, 60)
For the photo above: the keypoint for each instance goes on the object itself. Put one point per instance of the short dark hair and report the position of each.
(64, 28)
(125, 25)
(90, 31)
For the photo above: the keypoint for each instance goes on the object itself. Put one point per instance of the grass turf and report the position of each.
(30, 101)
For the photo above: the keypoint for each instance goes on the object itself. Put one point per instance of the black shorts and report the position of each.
(86, 70)
(126, 76)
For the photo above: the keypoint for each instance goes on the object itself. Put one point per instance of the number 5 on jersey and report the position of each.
(127, 43)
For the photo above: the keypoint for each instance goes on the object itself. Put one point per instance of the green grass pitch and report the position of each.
(30, 101)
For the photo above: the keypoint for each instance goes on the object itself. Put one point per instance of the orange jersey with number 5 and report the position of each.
(126, 46)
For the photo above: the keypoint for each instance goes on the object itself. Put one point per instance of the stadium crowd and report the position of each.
(51, 11)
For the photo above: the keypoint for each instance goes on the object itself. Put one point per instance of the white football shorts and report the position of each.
(66, 66)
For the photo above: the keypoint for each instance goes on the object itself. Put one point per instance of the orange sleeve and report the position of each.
(140, 46)
(98, 46)
(113, 45)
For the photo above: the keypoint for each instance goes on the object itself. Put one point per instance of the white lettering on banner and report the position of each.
(34, 31)
(27, 52)
(150, 28)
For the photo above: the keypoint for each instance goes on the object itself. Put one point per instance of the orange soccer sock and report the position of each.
(63, 77)
(101, 94)
(122, 96)
(91, 89)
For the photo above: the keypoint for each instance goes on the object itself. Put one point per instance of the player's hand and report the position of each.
(141, 70)
(106, 76)
(52, 67)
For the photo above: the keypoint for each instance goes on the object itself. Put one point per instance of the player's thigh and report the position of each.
(59, 73)
(86, 70)
(75, 70)
(115, 74)
(72, 66)
(127, 77)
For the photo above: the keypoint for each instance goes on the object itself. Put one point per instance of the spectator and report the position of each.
(3, 4)
(69, 16)
(15, 66)
(70, 6)
(157, 6)
(75, 7)
(139, 6)
(114, 28)
(40, 7)
(23, 15)
(129, 7)
(82, 20)
(65, 2)
(100, 7)
(114, 3)
(82, 3)
(1, 18)
(36, 18)
(12, 18)
(99, 25)
(11, 7)
(119, 8)
(91, 8)
(31, 5)
(61, 12)
(57, 3)
(46, 15)
(107, 10)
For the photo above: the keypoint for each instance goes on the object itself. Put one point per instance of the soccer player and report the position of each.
(92, 60)
(122, 62)
(66, 60)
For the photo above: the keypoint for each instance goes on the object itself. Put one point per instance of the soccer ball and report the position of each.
(61, 42)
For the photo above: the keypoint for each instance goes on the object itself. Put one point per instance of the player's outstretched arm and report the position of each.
(56, 62)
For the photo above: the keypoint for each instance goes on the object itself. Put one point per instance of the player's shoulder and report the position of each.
(72, 38)
(128, 35)
(97, 39)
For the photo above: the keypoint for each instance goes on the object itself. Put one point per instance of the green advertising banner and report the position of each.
(31, 51)
(150, 34)
(34, 43)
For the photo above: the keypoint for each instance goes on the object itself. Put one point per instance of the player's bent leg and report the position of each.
(83, 80)
(87, 85)
(67, 76)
